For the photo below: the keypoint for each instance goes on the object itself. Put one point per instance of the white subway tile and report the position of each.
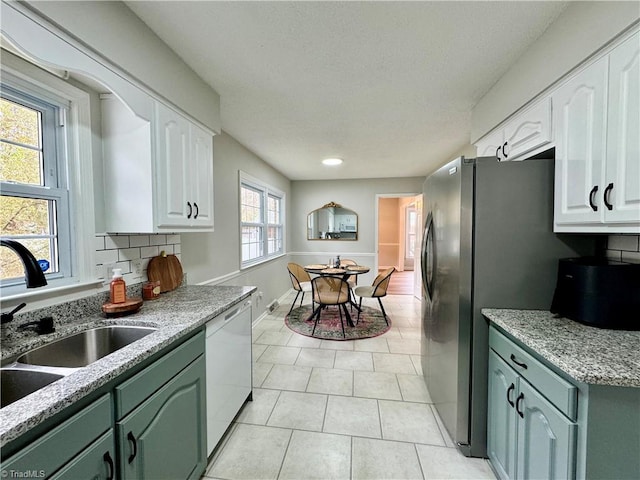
(120, 241)
(174, 238)
(128, 253)
(631, 257)
(628, 243)
(99, 242)
(177, 249)
(106, 256)
(139, 240)
(613, 255)
(124, 266)
(168, 249)
(148, 252)
(158, 240)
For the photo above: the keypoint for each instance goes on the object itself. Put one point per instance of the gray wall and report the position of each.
(112, 30)
(581, 30)
(215, 257)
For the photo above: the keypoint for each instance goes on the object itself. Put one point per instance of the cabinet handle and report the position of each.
(592, 194)
(521, 365)
(132, 439)
(498, 153)
(511, 389)
(518, 400)
(504, 150)
(607, 194)
(190, 210)
(109, 461)
(197, 210)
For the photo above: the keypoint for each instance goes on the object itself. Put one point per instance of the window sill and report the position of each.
(261, 261)
(43, 293)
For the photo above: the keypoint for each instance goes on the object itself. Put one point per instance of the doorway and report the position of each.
(398, 229)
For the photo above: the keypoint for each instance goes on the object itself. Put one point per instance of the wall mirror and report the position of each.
(332, 222)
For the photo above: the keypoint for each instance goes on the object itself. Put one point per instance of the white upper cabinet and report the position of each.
(158, 174)
(523, 134)
(597, 138)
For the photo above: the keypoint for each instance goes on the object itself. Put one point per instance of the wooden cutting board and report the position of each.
(167, 270)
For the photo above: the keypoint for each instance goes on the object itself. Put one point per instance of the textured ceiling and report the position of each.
(387, 86)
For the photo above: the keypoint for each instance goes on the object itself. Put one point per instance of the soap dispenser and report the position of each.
(118, 288)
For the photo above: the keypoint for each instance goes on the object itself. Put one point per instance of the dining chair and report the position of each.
(329, 290)
(300, 280)
(378, 289)
(352, 280)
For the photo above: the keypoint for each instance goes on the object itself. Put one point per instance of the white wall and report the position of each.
(581, 30)
(215, 257)
(114, 32)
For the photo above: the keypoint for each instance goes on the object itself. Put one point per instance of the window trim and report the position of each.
(244, 179)
(78, 169)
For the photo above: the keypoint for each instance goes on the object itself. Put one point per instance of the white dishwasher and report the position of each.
(228, 360)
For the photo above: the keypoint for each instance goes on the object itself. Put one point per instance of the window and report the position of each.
(46, 177)
(261, 221)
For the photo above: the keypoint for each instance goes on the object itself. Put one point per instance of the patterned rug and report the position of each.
(371, 323)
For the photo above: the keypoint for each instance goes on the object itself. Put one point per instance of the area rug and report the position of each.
(371, 323)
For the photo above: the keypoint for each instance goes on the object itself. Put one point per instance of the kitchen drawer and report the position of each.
(55, 448)
(134, 391)
(558, 391)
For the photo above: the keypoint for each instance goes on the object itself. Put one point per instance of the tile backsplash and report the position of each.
(122, 251)
(625, 248)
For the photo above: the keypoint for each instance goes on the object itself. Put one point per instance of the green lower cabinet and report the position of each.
(528, 438)
(546, 438)
(165, 436)
(96, 462)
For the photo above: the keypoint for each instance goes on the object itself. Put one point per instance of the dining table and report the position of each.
(344, 271)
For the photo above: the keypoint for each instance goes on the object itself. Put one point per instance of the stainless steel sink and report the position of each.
(17, 383)
(83, 348)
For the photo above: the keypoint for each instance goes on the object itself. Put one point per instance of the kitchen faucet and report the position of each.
(32, 271)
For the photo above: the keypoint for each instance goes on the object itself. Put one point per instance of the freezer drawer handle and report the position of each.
(520, 364)
(592, 194)
(511, 389)
(518, 400)
(132, 439)
(607, 194)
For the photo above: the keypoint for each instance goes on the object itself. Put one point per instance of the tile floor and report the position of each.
(340, 410)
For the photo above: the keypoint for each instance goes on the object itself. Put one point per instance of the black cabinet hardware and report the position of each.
(511, 389)
(518, 400)
(504, 150)
(592, 194)
(132, 439)
(607, 194)
(197, 210)
(190, 209)
(109, 461)
(520, 364)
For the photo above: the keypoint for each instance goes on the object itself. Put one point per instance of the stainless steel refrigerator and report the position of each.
(488, 243)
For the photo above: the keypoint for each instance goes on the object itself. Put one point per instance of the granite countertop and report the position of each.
(587, 354)
(174, 314)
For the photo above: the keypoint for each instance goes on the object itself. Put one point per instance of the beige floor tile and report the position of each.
(298, 340)
(352, 416)
(409, 422)
(337, 344)
(377, 344)
(376, 385)
(252, 452)
(257, 350)
(413, 388)
(381, 459)
(409, 333)
(317, 456)
(444, 462)
(265, 324)
(280, 355)
(354, 360)
(443, 430)
(302, 411)
(393, 332)
(331, 381)
(417, 364)
(258, 411)
(287, 377)
(411, 347)
(260, 372)
(392, 363)
(315, 357)
(269, 337)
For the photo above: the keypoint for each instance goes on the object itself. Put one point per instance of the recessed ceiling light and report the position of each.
(332, 161)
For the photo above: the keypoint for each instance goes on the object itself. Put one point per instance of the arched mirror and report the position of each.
(332, 222)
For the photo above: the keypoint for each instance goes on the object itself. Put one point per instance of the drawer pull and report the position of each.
(132, 439)
(518, 400)
(109, 461)
(511, 389)
(520, 364)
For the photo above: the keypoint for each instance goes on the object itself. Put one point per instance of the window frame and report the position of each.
(247, 181)
(75, 172)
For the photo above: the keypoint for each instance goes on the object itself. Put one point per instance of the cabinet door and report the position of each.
(172, 161)
(546, 438)
(164, 438)
(579, 120)
(491, 145)
(501, 419)
(202, 177)
(97, 462)
(622, 180)
(529, 130)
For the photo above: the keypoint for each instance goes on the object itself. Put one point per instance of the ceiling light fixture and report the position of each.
(332, 161)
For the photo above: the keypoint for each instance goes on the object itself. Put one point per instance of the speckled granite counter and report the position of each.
(175, 314)
(587, 354)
